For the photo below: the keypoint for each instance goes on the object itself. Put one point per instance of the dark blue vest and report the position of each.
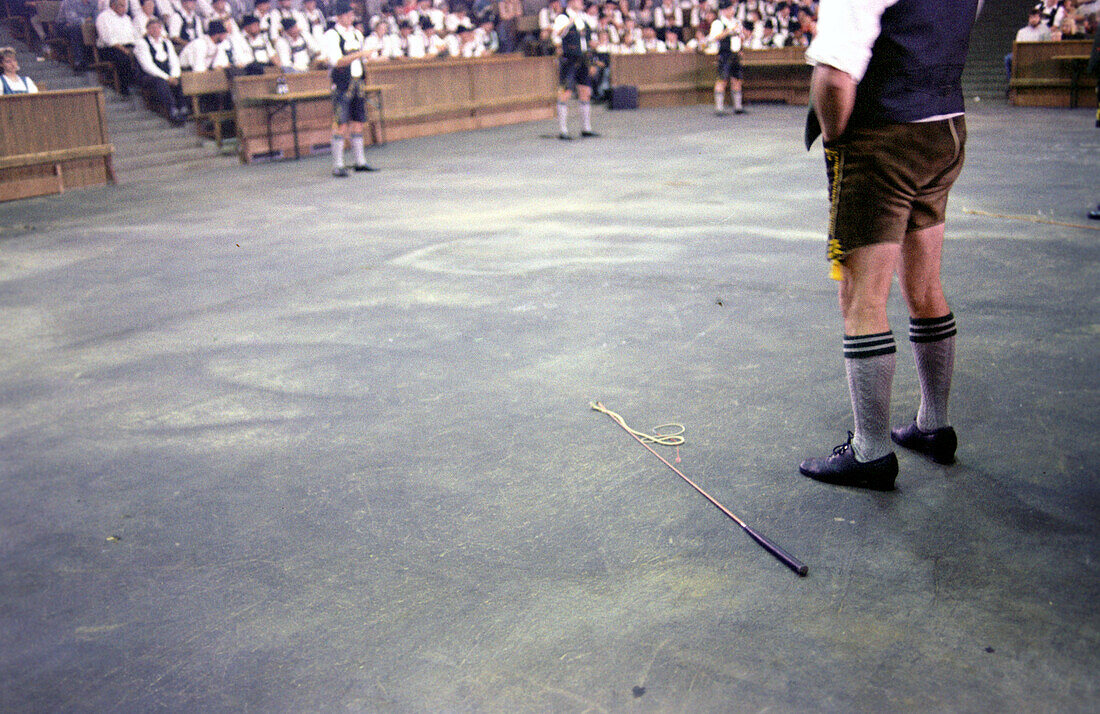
(572, 43)
(916, 63)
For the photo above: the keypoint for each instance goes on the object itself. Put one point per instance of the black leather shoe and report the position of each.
(340, 172)
(565, 137)
(588, 134)
(359, 168)
(842, 469)
(1095, 215)
(938, 444)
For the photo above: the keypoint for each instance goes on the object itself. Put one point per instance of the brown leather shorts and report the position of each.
(887, 181)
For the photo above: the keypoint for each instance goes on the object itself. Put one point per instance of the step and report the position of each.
(171, 171)
(191, 155)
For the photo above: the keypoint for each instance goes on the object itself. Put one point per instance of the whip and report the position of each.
(674, 440)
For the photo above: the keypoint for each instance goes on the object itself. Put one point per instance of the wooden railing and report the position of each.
(677, 78)
(1043, 74)
(421, 98)
(53, 141)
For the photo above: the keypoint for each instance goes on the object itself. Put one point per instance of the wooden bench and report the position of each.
(435, 96)
(679, 78)
(53, 141)
(208, 92)
(1042, 78)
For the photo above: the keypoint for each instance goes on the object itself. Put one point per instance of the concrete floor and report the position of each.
(275, 442)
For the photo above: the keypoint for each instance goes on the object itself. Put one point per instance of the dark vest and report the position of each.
(164, 66)
(573, 44)
(341, 76)
(917, 62)
(191, 29)
(297, 48)
(725, 47)
(261, 52)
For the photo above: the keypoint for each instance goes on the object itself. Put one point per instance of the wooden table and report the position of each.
(274, 102)
(1077, 64)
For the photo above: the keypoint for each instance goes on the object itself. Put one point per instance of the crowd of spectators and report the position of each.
(247, 36)
(420, 28)
(1053, 20)
(683, 25)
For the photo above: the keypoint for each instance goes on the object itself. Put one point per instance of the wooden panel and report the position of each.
(423, 98)
(1039, 80)
(214, 81)
(43, 129)
(678, 78)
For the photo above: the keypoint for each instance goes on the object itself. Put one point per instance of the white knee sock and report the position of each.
(357, 150)
(563, 117)
(586, 115)
(337, 151)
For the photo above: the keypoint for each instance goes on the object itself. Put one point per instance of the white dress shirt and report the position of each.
(114, 29)
(162, 50)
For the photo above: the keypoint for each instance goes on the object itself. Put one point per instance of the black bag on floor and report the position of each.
(624, 97)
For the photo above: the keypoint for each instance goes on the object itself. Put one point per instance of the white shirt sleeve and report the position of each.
(175, 26)
(561, 22)
(846, 32)
(331, 47)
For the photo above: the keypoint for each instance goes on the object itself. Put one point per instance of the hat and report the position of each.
(289, 22)
(342, 7)
(724, 4)
(216, 27)
(248, 20)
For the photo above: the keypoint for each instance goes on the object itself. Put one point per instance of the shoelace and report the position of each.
(840, 449)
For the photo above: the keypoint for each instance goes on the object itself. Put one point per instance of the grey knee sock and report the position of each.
(869, 361)
(934, 352)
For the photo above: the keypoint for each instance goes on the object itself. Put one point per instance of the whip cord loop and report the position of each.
(672, 437)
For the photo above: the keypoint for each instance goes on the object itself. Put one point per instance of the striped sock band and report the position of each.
(932, 329)
(869, 363)
(863, 346)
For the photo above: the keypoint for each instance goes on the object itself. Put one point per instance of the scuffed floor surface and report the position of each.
(274, 442)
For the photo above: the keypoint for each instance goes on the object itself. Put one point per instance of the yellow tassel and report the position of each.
(835, 271)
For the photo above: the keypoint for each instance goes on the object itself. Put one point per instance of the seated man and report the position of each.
(313, 21)
(284, 10)
(145, 12)
(71, 16)
(116, 38)
(295, 49)
(380, 44)
(252, 50)
(262, 11)
(412, 40)
(211, 51)
(223, 13)
(160, 70)
(186, 24)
